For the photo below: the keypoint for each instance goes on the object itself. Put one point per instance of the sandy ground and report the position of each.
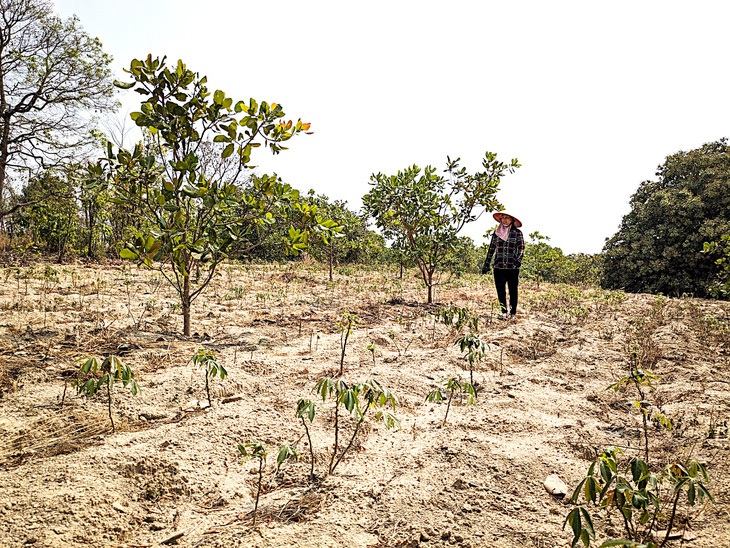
(172, 474)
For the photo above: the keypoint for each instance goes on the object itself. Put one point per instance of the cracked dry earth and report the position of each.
(171, 474)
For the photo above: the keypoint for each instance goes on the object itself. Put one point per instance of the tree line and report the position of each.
(185, 198)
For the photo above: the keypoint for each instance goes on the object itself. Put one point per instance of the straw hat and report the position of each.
(498, 217)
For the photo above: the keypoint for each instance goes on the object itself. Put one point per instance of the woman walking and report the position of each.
(507, 247)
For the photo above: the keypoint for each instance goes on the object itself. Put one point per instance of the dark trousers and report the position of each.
(508, 277)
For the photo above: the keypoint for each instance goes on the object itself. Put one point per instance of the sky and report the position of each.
(591, 97)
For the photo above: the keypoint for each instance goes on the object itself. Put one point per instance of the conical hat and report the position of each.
(498, 217)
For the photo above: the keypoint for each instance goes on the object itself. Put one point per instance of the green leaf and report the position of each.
(228, 150)
(128, 254)
(123, 85)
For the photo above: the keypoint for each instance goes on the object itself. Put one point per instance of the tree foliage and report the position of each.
(51, 214)
(422, 212)
(352, 242)
(52, 74)
(545, 263)
(658, 248)
(196, 214)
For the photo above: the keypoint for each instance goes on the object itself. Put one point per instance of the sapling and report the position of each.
(347, 324)
(372, 348)
(325, 387)
(286, 452)
(475, 350)
(305, 409)
(358, 399)
(255, 450)
(638, 496)
(457, 318)
(453, 385)
(401, 351)
(642, 380)
(207, 359)
(93, 375)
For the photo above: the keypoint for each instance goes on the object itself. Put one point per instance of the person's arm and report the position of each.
(519, 248)
(490, 253)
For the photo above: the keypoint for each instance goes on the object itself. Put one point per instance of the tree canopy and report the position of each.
(422, 211)
(196, 213)
(659, 245)
(52, 75)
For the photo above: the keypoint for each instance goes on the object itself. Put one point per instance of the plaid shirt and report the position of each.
(507, 255)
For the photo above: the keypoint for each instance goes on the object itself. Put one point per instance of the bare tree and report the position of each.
(54, 79)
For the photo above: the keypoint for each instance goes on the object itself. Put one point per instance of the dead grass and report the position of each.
(542, 408)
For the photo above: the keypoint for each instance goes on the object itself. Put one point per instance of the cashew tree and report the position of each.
(422, 212)
(196, 212)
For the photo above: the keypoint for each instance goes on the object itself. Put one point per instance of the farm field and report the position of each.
(172, 474)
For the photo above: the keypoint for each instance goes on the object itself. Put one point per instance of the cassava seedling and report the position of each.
(208, 361)
(347, 323)
(643, 382)
(372, 349)
(286, 452)
(305, 410)
(458, 318)
(403, 347)
(475, 350)
(453, 385)
(358, 400)
(93, 375)
(255, 450)
(639, 496)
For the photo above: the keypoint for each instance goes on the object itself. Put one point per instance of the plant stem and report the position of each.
(258, 491)
(448, 406)
(352, 439)
(343, 340)
(207, 388)
(671, 518)
(109, 406)
(311, 449)
(337, 432)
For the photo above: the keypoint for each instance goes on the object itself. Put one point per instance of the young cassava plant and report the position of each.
(257, 450)
(453, 385)
(475, 350)
(358, 400)
(209, 362)
(95, 375)
(644, 501)
(306, 410)
(348, 321)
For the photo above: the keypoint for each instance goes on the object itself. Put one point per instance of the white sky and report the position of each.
(590, 96)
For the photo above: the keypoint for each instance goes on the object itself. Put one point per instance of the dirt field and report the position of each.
(172, 474)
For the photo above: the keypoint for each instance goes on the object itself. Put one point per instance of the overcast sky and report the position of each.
(589, 96)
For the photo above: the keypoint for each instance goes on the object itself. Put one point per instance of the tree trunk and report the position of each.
(90, 226)
(186, 305)
(331, 261)
(4, 156)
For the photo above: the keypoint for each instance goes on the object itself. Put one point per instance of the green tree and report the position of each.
(658, 248)
(538, 256)
(51, 215)
(423, 212)
(196, 215)
(721, 286)
(352, 242)
(52, 74)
